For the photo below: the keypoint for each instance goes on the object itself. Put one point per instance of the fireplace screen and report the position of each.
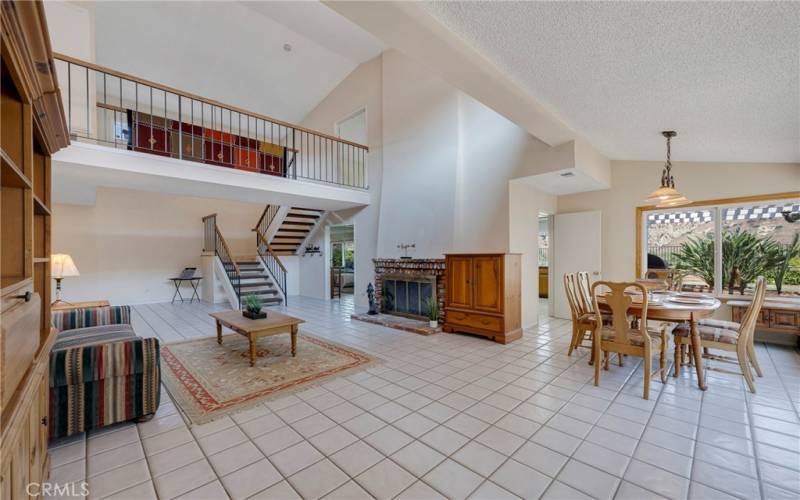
(408, 295)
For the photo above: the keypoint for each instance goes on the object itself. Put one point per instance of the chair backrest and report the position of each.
(675, 280)
(585, 292)
(619, 303)
(750, 317)
(569, 289)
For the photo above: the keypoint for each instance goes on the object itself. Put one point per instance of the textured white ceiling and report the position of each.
(233, 52)
(725, 75)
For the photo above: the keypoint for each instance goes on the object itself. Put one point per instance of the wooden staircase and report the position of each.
(254, 280)
(294, 229)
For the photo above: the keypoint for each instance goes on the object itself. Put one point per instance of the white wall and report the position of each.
(525, 203)
(71, 29)
(129, 243)
(363, 88)
(421, 146)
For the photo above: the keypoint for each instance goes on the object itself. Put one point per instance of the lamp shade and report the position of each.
(61, 266)
(663, 194)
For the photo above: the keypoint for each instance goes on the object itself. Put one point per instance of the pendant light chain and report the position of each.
(670, 181)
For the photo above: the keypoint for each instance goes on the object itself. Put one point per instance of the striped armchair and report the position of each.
(101, 373)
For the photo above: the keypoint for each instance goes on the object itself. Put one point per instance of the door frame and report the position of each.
(329, 253)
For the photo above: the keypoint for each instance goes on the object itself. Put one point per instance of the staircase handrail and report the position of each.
(271, 259)
(223, 253)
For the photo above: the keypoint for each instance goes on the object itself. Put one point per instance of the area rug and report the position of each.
(207, 380)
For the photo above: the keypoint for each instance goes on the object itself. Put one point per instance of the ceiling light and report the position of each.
(666, 195)
(287, 47)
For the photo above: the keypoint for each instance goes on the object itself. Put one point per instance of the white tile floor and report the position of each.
(457, 416)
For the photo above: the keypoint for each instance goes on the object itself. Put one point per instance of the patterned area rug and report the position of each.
(208, 380)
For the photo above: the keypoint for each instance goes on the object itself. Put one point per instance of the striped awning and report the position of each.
(673, 217)
(767, 211)
(773, 211)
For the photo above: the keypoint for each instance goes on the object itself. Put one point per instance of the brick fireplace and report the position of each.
(414, 275)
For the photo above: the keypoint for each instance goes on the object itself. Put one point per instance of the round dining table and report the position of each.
(661, 308)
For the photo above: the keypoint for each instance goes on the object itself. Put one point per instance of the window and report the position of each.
(722, 248)
(342, 254)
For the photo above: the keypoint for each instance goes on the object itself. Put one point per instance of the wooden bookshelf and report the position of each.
(32, 128)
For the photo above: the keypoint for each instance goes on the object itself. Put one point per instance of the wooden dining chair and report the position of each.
(582, 323)
(619, 336)
(727, 336)
(583, 287)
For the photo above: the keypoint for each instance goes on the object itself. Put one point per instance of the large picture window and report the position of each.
(723, 247)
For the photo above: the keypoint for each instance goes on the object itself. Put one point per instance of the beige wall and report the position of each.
(632, 181)
(129, 243)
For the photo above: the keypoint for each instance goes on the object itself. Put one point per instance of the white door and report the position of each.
(576, 247)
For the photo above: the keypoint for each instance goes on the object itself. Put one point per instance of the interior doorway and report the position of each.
(342, 260)
(544, 246)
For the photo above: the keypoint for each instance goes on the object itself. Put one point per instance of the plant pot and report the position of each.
(433, 323)
(253, 315)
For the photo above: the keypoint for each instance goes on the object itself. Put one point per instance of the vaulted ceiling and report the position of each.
(233, 52)
(725, 75)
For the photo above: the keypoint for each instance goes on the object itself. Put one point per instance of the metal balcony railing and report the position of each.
(115, 109)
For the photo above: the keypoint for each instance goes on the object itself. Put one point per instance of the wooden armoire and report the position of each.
(483, 295)
(32, 128)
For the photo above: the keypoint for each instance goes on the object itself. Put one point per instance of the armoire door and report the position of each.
(488, 285)
(459, 282)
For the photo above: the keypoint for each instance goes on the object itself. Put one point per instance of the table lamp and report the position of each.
(62, 266)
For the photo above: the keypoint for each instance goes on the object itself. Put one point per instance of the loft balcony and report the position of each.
(112, 109)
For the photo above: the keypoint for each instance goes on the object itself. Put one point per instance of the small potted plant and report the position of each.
(433, 313)
(252, 308)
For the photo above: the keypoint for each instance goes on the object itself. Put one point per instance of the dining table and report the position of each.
(677, 307)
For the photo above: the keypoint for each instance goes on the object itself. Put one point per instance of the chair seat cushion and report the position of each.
(590, 318)
(93, 335)
(636, 339)
(720, 323)
(710, 333)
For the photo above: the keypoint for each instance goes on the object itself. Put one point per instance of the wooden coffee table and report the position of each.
(273, 324)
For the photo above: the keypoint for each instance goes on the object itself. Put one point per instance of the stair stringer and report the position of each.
(222, 278)
(273, 278)
(277, 221)
(321, 222)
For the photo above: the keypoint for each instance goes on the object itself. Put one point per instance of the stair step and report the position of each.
(298, 228)
(314, 210)
(263, 284)
(272, 300)
(303, 215)
(298, 221)
(287, 239)
(259, 293)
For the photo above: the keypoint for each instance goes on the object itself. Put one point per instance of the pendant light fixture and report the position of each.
(667, 196)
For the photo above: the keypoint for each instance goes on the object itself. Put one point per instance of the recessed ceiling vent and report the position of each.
(567, 174)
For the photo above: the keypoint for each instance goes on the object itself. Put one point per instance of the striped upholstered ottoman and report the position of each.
(101, 373)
